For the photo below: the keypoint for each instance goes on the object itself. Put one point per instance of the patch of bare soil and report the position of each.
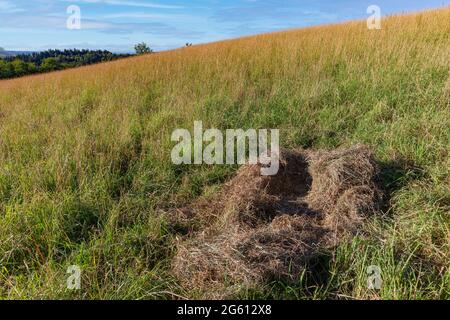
(261, 227)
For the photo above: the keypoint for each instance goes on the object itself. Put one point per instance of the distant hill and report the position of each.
(4, 53)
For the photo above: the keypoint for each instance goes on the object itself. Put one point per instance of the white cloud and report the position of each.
(139, 15)
(130, 4)
(9, 7)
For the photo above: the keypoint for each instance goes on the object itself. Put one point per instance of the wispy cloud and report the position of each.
(130, 4)
(9, 7)
(139, 15)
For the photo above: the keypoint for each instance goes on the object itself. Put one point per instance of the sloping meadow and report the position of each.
(86, 177)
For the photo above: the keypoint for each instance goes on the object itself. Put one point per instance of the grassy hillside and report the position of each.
(85, 169)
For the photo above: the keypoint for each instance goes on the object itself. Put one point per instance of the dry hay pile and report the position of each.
(261, 227)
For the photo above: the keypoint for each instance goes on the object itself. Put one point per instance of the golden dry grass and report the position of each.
(260, 228)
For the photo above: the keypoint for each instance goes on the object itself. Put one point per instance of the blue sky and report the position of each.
(117, 25)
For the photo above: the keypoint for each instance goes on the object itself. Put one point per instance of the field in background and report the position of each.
(85, 167)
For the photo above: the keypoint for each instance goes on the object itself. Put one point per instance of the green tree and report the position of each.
(31, 67)
(142, 48)
(49, 64)
(20, 68)
(6, 70)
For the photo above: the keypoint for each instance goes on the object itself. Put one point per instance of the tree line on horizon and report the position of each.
(52, 60)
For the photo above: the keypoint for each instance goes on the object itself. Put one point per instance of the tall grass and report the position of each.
(85, 164)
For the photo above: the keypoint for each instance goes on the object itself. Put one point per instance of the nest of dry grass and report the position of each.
(264, 227)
